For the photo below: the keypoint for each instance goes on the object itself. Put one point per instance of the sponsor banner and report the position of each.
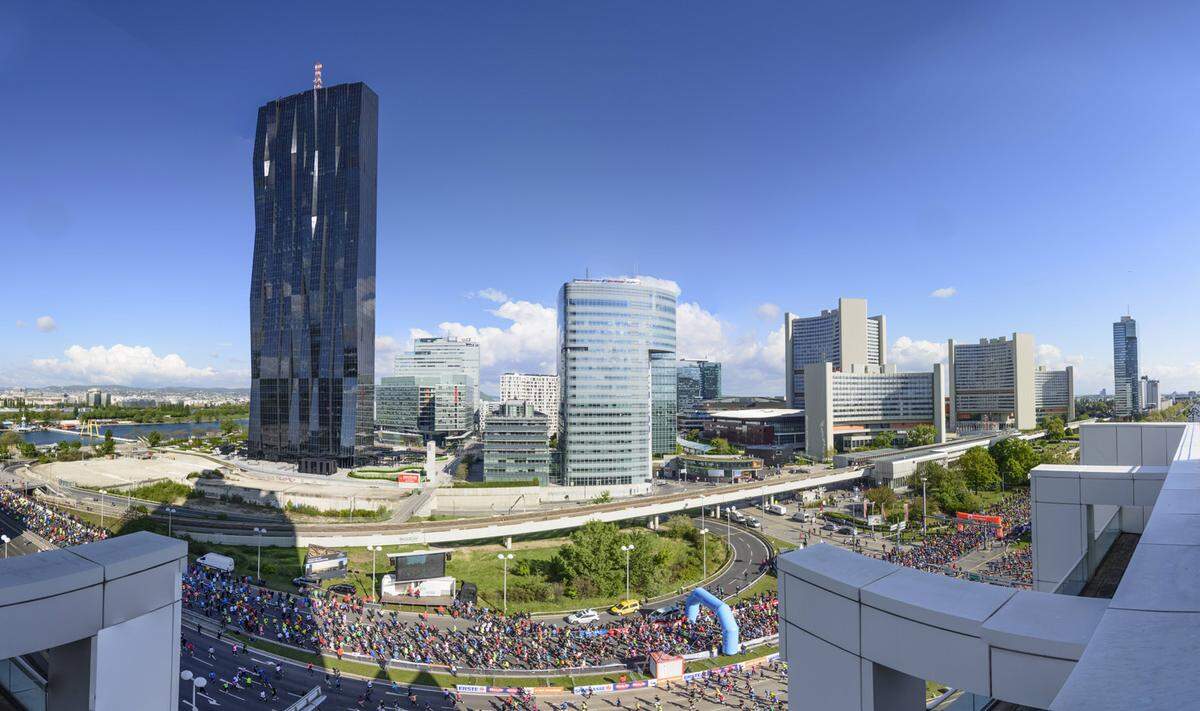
(408, 478)
(500, 690)
(470, 688)
(594, 689)
(698, 655)
(610, 688)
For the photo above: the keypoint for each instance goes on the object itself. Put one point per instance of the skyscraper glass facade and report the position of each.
(616, 340)
(1125, 368)
(312, 292)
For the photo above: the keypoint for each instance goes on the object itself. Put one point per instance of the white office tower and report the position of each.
(992, 384)
(539, 390)
(1127, 399)
(616, 362)
(443, 356)
(1151, 400)
(847, 408)
(1054, 393)
(838, 336)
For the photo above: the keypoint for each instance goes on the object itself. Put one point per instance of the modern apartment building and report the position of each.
(516, 444)
(695, 382)
(992, 384)
(838, 336)
(1054, 393)
(434, 405)
(1148, 395)
(540, 390)
(616, 362)
(312, 287)
(1125, 368)
(847, 408)
(437, 355)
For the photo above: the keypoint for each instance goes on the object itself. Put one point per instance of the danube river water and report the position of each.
(169, 430)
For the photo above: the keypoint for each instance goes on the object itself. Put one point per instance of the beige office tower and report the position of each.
(837, 336)
(992, 384)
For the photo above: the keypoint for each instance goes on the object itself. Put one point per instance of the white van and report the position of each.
(776, 509)
(216, 561)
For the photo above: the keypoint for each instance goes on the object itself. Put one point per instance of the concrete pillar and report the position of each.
(508, 542)
(885, 689)
(654, 523)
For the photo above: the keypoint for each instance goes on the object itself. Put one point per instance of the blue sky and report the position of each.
(1041, 160)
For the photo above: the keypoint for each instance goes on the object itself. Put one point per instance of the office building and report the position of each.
(844, 409)
(1148, 395)
(516, 444)
(1054, 393)
(1109, 624)
(616, 362)
(992, 384)
(312, 289)
(1125, 368)
(433, 405)
(438, 355)
(540, 390)
(773, 434)
(695, 382)
(838, 336)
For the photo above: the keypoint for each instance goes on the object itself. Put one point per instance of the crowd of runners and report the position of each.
(471, 638)
(941, 551)
(57, 527)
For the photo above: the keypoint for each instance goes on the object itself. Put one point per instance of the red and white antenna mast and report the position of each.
(317, 75)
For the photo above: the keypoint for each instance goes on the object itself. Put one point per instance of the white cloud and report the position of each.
(943, 293)
(46, 324)
(21, 324)
(490, 294)
(908, 354)
(768, 311)
(130, 365)
(750, 365)
(529, 338)
(655, 281)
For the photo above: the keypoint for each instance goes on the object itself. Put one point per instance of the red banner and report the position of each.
(995, 521)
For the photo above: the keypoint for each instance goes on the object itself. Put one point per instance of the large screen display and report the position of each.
(420, 567)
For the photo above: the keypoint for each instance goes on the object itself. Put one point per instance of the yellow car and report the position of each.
(625, 607)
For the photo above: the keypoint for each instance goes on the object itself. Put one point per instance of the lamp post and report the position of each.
(170, 510)
(504, 558)
(258, 532)
(924, 509)
(627, 550)
(703, 553)
(102, 493)
(6, 539)
(198, 682)
(374, 550)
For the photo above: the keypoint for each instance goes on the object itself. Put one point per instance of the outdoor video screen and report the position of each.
(420, 567)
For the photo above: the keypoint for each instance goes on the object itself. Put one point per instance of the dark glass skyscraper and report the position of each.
(312, 290)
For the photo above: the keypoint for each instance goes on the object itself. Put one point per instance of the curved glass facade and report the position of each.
(616, 340)
(312, 292)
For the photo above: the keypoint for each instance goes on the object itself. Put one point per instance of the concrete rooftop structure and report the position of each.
(859, 633)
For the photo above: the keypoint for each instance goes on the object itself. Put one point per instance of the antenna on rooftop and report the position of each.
(317, 75)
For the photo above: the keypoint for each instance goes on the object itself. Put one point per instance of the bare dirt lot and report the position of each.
(124, 470)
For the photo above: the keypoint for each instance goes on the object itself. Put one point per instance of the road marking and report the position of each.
(198, 659)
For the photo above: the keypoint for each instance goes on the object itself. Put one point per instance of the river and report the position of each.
(169, 430)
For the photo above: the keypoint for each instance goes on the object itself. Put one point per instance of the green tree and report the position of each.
(10, 439)
(1055, 430)
(979, 470)
(883, 439)
(228, 427)
(883, 499)
(921, 435)
(947, 488)
(594, 554)
(720, 445)
(29, 450)
(154, 438)
(1014, 457)
(108, 446)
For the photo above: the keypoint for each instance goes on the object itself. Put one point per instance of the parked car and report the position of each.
(738, 516)
(343, 589)
(846, 531)
(664, 614)
(753, 522)
(803, 516)
(583, 617)
(625, 607)
(829, 527)
(304, 581)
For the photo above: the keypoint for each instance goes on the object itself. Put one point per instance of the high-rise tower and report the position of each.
(1125, 368)
(312, 291)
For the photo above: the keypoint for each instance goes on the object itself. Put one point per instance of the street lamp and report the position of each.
(703, 553)
(6, 539)
(170, 510)
(627, 550)
(504, 558)
(374, 550)
(198, 682)
(258, 532)
(924, 509)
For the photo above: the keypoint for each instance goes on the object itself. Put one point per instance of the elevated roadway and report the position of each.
(500, 527)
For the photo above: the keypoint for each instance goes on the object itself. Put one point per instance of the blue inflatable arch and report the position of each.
(729, 627)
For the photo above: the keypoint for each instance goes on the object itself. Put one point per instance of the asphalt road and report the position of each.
(17, 546)
(223, 666)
